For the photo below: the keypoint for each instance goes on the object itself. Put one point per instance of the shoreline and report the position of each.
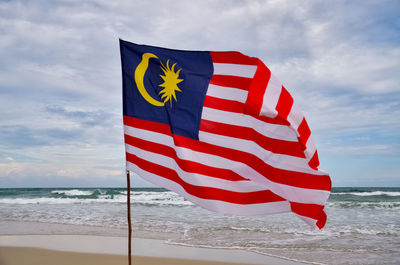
(349, 237)
(113, 241)
(143, 249)
(38, 256)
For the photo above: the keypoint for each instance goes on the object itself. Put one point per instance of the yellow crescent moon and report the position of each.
(139, 75)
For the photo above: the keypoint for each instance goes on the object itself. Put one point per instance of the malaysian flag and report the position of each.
(220, 130)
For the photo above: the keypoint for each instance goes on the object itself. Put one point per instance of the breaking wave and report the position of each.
(372, 193)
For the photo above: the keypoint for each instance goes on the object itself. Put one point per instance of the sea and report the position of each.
(363, 224)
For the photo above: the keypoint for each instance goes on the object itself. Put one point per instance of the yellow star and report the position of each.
(171, 81)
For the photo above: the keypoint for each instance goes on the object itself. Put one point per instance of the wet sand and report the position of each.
(37, 256)
(98, 250)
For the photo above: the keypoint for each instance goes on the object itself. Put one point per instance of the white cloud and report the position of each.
(360, 149)
(339, 60)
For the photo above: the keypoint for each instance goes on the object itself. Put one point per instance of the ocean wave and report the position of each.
(160, 198)
(365, 205)
(332, 231)
(371, 193)
(49, 200)
(74, 192)
(243, 248)
(83, 196)
(251, 229)
(389, 230)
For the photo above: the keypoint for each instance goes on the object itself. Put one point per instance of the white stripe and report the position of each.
(271, 97)
(280, 161)
(288, 192)
(295, 117)
(241, 70)
(213, 205)
(276, 131)
(227, 93)
(311, 222)
(310, 148)
(193, 178)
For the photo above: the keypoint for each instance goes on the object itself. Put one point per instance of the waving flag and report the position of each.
(220, 130)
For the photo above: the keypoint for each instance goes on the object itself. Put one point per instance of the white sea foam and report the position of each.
(74, 192)
(149, 198)
(372, 193)
(47, 200)
(364, 205)
(345, 230)
(160, 198)
(42, 200)
(172, 242)
(356, 224)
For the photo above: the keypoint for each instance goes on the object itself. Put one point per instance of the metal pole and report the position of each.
(128, 193)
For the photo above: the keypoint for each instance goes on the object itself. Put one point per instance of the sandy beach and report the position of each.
(37, 256)
(92, 221)
(85, 249)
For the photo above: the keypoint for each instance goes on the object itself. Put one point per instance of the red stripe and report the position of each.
(313, 211)
(223, 104)
(314, 161)
(257, 89)
(231, 81)
(284, 104)
(321, 220)
(232, 57)
(293, 178)
(208, 193)
(186, 165)
(304, 132)
(238, 107)
(147, 125)
(273, 145)
(244, 198)
(276, 120)
(282, 176)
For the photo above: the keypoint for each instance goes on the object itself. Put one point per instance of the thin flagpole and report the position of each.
(128, 192)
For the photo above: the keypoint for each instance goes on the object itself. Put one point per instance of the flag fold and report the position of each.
(219, 129)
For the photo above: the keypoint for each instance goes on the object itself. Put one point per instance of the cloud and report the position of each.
(60, 80)
(89, 118)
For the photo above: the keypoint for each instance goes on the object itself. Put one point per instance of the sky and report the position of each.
(60, 79)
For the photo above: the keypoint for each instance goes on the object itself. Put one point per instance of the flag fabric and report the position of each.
(219, 129)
